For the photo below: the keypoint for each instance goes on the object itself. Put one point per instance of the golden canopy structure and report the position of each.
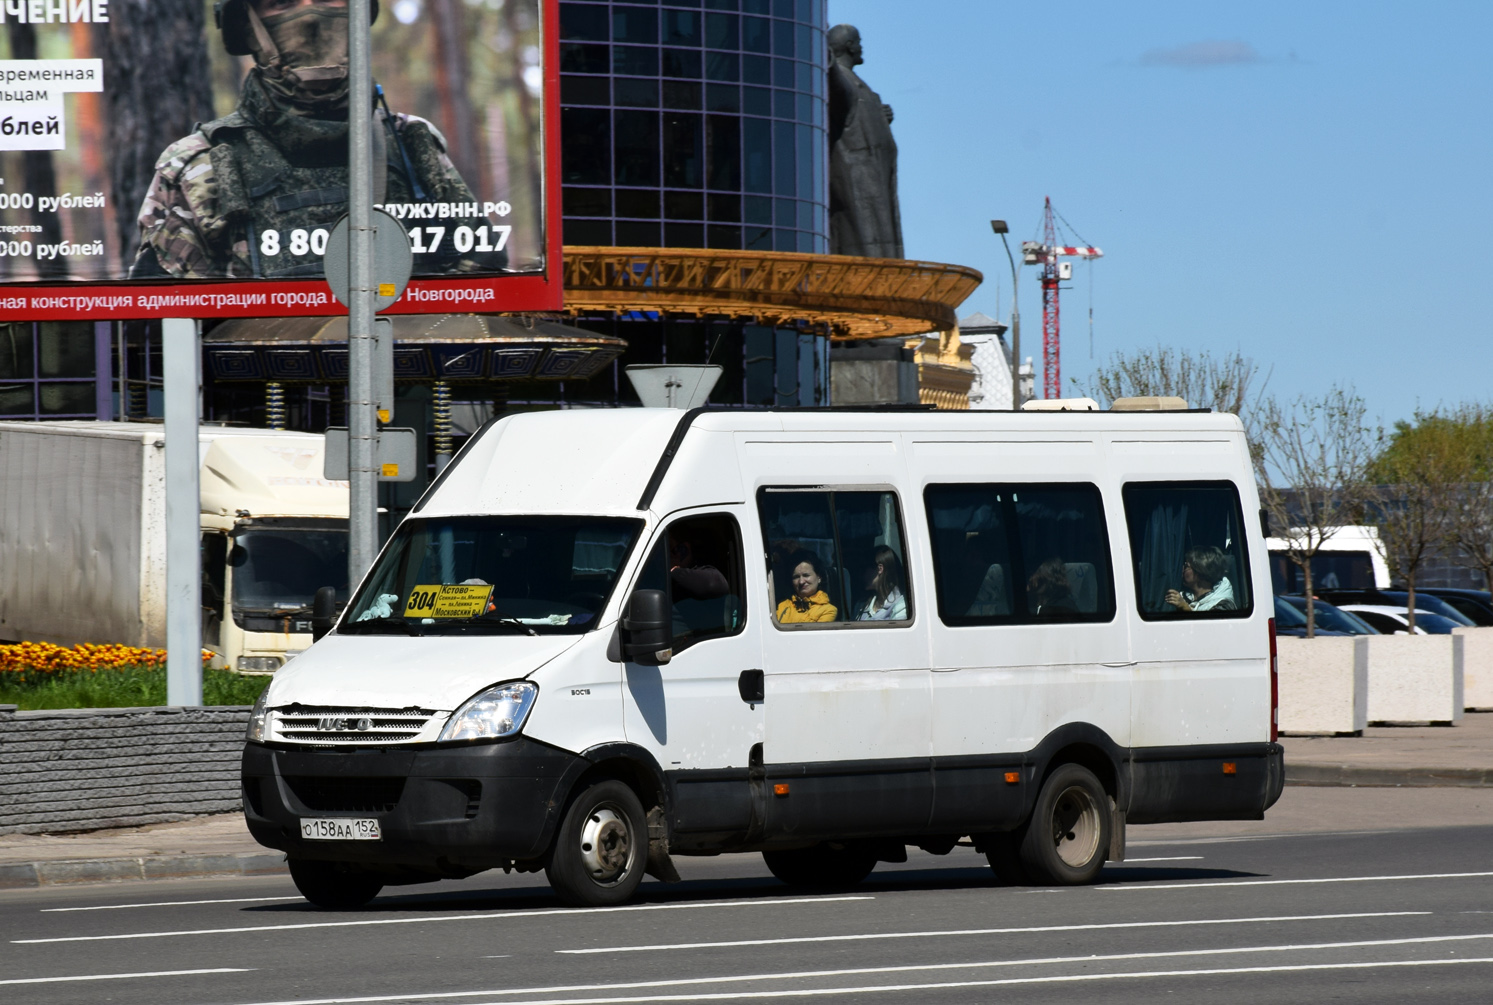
(851, 298)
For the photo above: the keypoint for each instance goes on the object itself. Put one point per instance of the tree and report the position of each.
(1222, 383)
(1311, 458)
(159, 87)
(1421, 474)
(1470, 523)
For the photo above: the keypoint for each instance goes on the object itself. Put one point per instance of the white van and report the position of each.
(604, 638)
(1351, 559)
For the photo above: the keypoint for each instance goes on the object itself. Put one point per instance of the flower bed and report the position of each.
(37, 675)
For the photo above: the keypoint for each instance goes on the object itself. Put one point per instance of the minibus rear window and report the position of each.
(1187, 542)
(1020, 554)
(493, 575)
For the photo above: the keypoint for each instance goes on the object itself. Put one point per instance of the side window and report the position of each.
(1187, 542)
(835, 556)
(1013, 554)
(698, 562)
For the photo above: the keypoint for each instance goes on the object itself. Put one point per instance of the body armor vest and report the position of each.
(281, 207)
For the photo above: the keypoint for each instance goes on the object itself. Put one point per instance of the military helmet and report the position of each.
(232, 17)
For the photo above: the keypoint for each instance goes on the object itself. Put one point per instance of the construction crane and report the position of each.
(1046, 254)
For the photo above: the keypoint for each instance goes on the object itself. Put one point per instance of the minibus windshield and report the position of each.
(493, 575)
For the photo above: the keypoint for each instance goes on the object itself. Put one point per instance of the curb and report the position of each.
(1350, 776)
(23, 875)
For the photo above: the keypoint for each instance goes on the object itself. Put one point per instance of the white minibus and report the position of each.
(607, 638)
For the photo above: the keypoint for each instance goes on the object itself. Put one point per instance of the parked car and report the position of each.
(1397, 598)
(1330, 620)
(1475, 604)
(1392, 620)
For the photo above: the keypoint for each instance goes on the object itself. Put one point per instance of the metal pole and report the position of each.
(362, 430)
(1015, 330)
(183, 513)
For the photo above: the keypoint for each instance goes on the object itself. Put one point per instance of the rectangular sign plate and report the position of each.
(459, 601)
(340, 829)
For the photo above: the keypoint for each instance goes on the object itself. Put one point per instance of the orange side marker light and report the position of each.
(1230, 768)
(1012, 777)
(780, 789)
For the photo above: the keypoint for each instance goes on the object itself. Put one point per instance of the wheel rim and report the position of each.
(1075, 826)
(606, 845)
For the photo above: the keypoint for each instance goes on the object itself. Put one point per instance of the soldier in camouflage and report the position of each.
(252, 195)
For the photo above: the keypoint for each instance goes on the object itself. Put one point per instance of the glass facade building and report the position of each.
(695, 124)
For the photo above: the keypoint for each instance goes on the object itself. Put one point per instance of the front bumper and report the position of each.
(442, 811)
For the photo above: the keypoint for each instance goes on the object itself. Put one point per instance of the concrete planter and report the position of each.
(1477, 665)
(83, 769)
(1415, 678)
(1324, 684)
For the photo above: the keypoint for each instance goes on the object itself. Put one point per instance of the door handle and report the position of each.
(750, 686)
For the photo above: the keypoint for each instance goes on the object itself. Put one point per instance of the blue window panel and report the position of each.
(803, 37)
(683, 150)
(635, 24)
(720, 4)
(756, 34)
(583, 23)
(757, 209)
(756, 6)
(786, 214)
(722, 31)
(757, 160)
(636, 146)
(805, 161)
(681, 27)
(785, 168)
(757, 238)
(782, 8)
(803, 110)
(756, 101)
(805, 74)
(782, 72)
(722, 66)
(577, 58)
(723, 152)
(805, 215)
(635, 60)
(681, 63)
(722, 98)
(756, 70)
(783, 104)
(635, 92)
(585, 146)
(782, 39)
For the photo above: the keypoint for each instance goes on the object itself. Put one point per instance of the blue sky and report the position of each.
(1311, 183)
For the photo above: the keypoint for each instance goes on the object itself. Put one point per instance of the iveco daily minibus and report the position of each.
(607, 638)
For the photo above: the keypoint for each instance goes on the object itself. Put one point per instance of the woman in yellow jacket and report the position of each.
(809, 603)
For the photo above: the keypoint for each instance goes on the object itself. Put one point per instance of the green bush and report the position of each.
(127, 687)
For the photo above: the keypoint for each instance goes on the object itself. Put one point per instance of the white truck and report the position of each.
(83, 539)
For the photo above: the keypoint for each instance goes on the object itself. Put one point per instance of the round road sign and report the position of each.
(392, 260)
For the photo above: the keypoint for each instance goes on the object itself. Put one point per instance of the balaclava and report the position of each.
(302, 56)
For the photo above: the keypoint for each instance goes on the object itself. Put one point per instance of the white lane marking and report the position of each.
(1065, 979)
(490, 916)
(984, 931)
(168, 903)
(120, 977)
(1164, 858)
(864, 971)
(1294, 882)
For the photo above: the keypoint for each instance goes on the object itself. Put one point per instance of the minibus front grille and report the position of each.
(330, 794)
(356, 726)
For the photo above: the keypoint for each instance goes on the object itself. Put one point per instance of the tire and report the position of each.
(334, 886)
(822, 867)
(601, 849)
(1067, 837)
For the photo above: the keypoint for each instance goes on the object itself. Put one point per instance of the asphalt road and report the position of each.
(1393, 916)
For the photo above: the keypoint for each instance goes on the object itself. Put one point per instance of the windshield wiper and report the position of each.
(488, 618)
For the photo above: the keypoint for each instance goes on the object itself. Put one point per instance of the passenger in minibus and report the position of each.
(1204, 585)
(887, 602)
(1048, 592)
(808, 602)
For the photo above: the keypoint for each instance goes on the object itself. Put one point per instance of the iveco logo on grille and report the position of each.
(343, 724)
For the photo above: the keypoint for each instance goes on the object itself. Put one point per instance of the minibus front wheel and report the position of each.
(1067, 837)
(601, 849)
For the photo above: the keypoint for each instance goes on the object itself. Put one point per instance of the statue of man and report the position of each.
(864, 218)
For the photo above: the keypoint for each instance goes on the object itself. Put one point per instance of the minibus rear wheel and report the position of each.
(1067, 837)
(602, 847)
(336, 886)
(822, 867)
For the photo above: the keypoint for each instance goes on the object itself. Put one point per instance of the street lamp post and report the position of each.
(999, 226)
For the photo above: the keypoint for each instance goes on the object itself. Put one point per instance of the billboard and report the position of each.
(189, 157)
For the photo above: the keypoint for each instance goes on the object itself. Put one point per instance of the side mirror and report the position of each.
(647, 628)
(323, 612)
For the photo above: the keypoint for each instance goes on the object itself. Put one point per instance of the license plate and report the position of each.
(340, 829)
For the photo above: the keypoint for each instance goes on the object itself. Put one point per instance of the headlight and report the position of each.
(258, 664)
(497, 712)
(259, 718)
